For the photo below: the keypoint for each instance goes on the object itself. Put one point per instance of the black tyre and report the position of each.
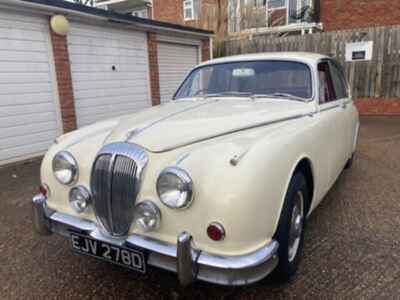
(290, 232)
(349, 163)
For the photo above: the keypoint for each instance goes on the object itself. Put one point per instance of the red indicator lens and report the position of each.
(43, 190)
(216, 232)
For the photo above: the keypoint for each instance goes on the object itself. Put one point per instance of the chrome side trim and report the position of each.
(329, 108)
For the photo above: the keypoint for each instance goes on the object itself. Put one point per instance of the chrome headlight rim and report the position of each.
(69, 158)
(187, 185)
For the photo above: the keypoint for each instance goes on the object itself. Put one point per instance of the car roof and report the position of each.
(305, 57)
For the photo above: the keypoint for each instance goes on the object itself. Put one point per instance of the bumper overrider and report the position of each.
(189, 263)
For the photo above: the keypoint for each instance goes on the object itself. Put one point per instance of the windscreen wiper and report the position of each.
(280, 95)
(229, 94)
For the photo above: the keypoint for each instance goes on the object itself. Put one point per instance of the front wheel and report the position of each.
(290, 232)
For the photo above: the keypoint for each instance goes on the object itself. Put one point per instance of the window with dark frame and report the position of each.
(338, 80)
(326, 88)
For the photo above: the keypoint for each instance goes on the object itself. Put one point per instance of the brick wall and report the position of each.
(172, 11)
(205, 50)
(378, 106)
(153, 66)
(64, 81)
(168, 11)
(350, 14)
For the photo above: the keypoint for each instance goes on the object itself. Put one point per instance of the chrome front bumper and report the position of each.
(188, 262)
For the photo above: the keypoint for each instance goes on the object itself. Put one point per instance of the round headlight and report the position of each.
(65, 168)
(147, 215)
(79, 198)
(175, 187)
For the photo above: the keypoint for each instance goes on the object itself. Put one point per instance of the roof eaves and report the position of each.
(117, 17)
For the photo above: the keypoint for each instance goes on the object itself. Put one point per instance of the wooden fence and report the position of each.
(378, 78)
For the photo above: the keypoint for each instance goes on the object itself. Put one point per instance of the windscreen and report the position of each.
(250, 77)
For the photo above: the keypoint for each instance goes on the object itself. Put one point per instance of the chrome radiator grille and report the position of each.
(115, 184)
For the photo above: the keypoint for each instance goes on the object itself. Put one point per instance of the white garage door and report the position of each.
(109, 72)
(29, 120)
(175, 61)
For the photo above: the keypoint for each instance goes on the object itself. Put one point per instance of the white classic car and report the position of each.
(215, 185)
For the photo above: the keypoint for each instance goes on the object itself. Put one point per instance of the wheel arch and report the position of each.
(305, 166)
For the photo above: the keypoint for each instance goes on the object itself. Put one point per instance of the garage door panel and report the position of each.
(29, 138)
(113, 84)
(109, 51)
(175, 62)
(29, 98)
(28, 113)
(98, 93)
(19, 67)
(15, 88)
(27, 149)
(27, 56)
(20, 45)
(106, 59)
(21, 34)
(24, 77)
(100, 67)
(26, 130)
(6, 122)
(12, 110)
(101, 92)
(104, 76)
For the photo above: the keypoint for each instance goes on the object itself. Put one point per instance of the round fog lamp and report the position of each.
(147, 216)
(79, 198)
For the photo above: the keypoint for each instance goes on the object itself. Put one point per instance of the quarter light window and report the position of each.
(326, 88)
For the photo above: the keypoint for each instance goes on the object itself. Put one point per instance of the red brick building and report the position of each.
(233, 18)
(283, 16)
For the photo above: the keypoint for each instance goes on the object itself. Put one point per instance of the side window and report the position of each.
(339, 82)
(326, 89)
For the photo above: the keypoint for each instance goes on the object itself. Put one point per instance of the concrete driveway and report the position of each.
(351, 250)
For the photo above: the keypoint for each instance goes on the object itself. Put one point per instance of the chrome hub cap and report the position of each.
(296, 226)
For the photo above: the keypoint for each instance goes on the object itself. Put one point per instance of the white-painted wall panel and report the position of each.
(99, 91)
(175, 61)
(29, 116)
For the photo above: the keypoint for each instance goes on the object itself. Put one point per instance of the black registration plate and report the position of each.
(130, 258)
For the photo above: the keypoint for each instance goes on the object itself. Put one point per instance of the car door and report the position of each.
(342, 93)
(332, 122)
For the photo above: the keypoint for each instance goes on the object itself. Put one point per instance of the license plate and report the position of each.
(125, 257)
